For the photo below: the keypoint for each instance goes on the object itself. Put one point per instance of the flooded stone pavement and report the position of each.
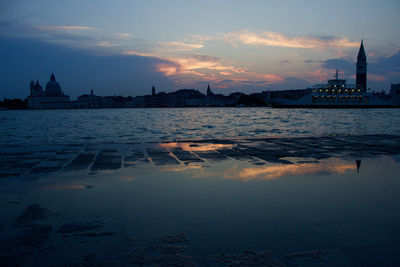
(49, 159)
(310, 201)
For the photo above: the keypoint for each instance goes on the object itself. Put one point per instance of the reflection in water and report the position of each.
(128, 207)
(358, 162)
(195, 146)
(276, 171)
(66, 187)
(245, 172)
(182, 168)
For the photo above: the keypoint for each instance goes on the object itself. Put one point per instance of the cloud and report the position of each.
(225, 73)
(178, 46)
(63, 28)
(196, 65)
(227, 81)
(267, 38)
(106, 44)
(123, 35)
(254, 82)
(376, 77)
(340, 64)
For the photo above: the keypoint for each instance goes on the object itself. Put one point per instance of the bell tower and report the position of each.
(361, 73)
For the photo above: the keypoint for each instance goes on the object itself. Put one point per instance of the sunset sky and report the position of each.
(124, 47)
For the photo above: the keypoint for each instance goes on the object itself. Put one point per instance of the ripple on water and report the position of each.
(124, 125)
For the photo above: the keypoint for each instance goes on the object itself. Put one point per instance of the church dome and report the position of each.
(53, 88)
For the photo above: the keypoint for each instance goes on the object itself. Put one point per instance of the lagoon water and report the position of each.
(200, 187)
(138, 125)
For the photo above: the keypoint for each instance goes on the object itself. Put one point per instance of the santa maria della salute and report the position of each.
(51, 98)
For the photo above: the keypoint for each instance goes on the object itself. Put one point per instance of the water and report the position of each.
(104, 187)
(139, 125)
(135, 216)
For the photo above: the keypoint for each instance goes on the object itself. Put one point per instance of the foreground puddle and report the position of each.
(229, 203)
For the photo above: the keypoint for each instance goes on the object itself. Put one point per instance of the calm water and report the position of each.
(271, 202)
(313, 214)
(132, 125)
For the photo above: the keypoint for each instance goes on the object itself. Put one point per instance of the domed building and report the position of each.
(51, 98)
(53, 88)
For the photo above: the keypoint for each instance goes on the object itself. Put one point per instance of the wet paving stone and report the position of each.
(234, 153)
(44, 169)
(67, 151)
(39, 156)
(275, 150)
(48, 166)
(107, 159)
(161, 157)
(210, 155)
(81, 162)
(185, 156)
(6, 174)
(25, 164)
(136, 156)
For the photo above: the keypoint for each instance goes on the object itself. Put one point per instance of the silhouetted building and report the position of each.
(209, 92)
(89, 101)
(394, 91)
(51, 98)
(361, 73)
(153, 91)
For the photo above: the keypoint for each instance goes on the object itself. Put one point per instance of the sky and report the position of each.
(124, 47)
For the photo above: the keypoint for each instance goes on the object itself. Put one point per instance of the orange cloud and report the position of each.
(319, 75)
(193, 63)
(225, 73)
(178, 46)
(267, 38)
(272, 78)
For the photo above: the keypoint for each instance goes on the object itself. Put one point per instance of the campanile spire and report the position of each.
(361, 72)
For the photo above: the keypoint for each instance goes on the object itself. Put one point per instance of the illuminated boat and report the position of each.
(337, 94)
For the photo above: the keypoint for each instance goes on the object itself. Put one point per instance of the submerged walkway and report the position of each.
(37, 160)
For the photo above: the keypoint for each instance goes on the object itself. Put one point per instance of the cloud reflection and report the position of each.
(65, 187)
(335, 166)
(195, 147)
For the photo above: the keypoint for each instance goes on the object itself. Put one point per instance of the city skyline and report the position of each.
(125, 47)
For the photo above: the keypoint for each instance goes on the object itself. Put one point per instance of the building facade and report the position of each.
(51, 98)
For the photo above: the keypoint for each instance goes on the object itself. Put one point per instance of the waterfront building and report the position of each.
(89, 101)
(51, 98)
(361, 69)
(395, 91)
(209, 92)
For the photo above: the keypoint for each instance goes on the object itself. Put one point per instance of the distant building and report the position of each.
(89, 101)
(51, 98)
(153, 91)
(394, 91)
(209, 92)
(361, 72)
